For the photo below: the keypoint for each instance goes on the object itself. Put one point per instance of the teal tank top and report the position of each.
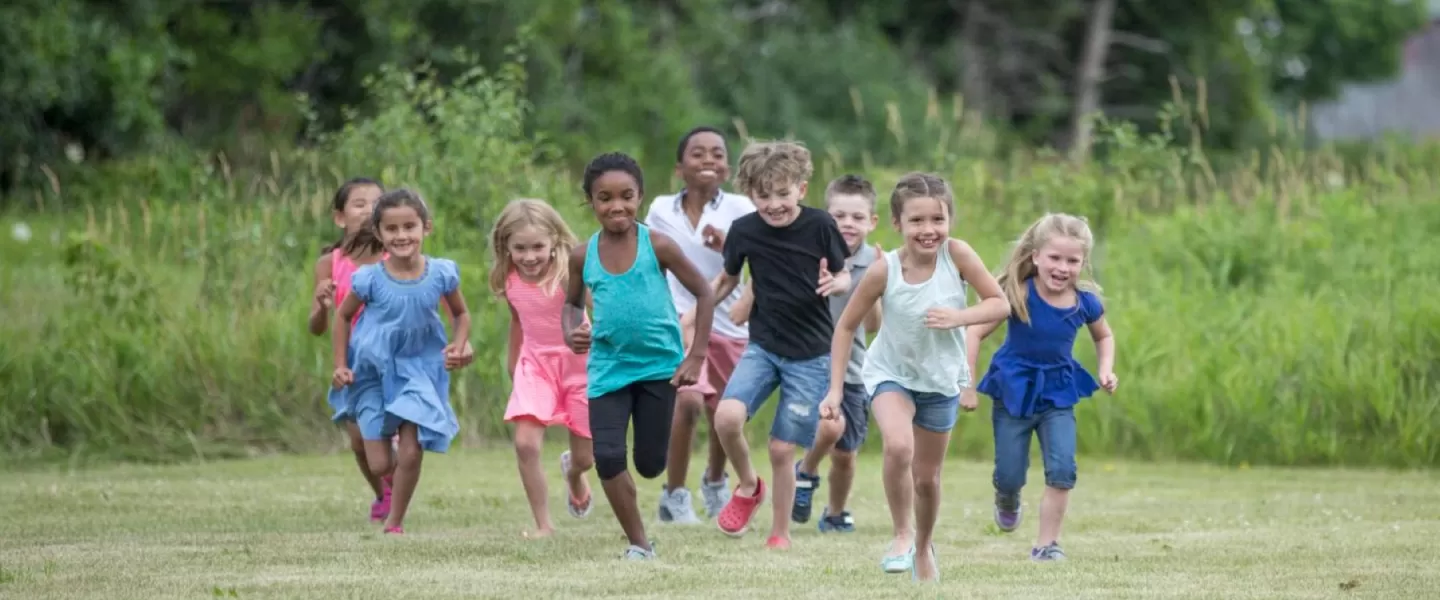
(635, 335)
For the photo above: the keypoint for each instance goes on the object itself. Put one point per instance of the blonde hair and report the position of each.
(767, 166)
(530, 212)
(1021, 266)
(921, 185)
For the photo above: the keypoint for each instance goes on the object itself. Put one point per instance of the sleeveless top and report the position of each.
(907, 352)
(636, 333)
(539, 314)
(859, 263)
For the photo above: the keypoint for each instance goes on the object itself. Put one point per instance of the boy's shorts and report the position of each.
(855, 405)
(803, 383)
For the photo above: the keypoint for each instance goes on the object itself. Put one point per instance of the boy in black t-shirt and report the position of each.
(797, 259)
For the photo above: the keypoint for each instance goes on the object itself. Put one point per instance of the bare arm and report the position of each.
(871, 286)
(517, 337)
(873, 319)
(319, 313)
(674, 261)
(724, 284)
(740, 311)
(993, 306)
(1104, 345)
(573, 314)
(974, 336)
(459, 316)
(341, 340)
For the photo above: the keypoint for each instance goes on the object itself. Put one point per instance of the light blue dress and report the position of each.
(397, 354)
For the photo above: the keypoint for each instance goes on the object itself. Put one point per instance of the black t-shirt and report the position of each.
(788, 319)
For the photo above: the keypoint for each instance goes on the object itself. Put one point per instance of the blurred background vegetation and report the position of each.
(166, 167)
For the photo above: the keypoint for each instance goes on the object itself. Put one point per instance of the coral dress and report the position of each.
(549, 379)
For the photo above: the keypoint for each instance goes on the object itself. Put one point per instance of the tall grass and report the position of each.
(1274, 309)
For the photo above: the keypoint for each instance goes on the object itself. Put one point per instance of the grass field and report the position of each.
(295, 528)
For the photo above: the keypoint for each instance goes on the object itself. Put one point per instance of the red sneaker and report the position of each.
(777, 543)
(734, 519)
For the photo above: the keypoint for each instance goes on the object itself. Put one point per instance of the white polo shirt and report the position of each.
(668, 217)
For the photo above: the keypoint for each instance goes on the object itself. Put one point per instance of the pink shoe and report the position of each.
(395, 530)
(380, 509)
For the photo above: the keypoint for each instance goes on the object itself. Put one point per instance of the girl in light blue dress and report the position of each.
(396, 367)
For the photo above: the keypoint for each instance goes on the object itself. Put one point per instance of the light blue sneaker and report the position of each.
(1051, 553)
(716, 494)
(637, 553)
(899, 563)
(675, 507)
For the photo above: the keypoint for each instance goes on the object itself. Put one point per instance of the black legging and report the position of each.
(652, 405)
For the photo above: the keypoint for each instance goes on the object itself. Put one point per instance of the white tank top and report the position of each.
(907, 352)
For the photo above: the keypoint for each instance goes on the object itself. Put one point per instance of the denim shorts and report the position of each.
(933, 412)
(803, 383)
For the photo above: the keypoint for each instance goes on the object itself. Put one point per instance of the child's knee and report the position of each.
(1060, 477)
(581, 461)
(650, 466)
(688, 406)
(1009, 480)
(927, 485)
(730, 417)
(842, 460)
(781, 452)
(609, 465)
(897, 451)
(527, 450)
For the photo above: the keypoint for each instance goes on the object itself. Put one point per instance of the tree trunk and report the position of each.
(1087, 79)
(974, 76)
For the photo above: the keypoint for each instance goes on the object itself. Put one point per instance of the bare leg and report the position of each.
(826, 437)
(357, 446)
(407, 474)
(682, 435)
(582, 459)
(730, 419)
(842, 478)
(529, 444)
(929, 459)
(895, 415)
(715, 465)
(620, 491)
(1052, 513)
(782, 486)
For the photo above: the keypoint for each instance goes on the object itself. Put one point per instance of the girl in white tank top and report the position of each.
(916, 369)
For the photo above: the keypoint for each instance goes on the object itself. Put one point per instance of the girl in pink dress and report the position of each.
(548, 379)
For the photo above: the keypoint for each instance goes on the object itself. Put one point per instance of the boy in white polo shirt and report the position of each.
(697, 219)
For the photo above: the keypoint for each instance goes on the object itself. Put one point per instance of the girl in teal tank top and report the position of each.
(637, 357)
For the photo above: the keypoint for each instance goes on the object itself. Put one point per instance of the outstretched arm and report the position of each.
(992, 306)
(974, 336)
(572, 316)
(869, 290)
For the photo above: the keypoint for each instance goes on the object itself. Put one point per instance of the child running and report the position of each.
(787, 246)
(697, 219)
(1034, 378)
(916, 368)
(548, 379)
(635, 361)
(350, 208)
(850, 199)
(399, 382)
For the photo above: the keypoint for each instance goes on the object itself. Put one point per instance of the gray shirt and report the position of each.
(858, 265)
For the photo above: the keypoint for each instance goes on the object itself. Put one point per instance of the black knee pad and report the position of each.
(609, 466)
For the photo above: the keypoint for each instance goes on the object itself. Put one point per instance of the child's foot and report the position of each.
(380, 509)
(676, 507)
(578, 506)
(1048, 553)
(898, 562)
(778, 543)
(395, 530)
(735, 518)
(537, 534)
(716, 495)
(841, 523)
(931, 565)
(638, 553)
(805, 487)
(1007, 511)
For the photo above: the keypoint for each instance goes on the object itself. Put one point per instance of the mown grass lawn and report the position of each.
(295, 527)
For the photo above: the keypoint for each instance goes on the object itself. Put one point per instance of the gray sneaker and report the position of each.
(1048, 553)
(675, 507)
(638, 553)
(716, 494)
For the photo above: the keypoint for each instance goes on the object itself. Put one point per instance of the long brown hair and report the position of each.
(1021, 266)
(529, 212)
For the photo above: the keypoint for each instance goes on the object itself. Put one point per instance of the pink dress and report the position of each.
(549, 379)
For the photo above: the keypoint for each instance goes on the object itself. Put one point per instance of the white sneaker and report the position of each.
(716, 494)
(675, 507)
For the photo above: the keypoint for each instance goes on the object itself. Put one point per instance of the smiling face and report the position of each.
(925, 225)
(1058, 263)
(531, 249)
(358, 206)
(855, 217)
(402, 231)
(705, 164)
(779, 205)
(615, 197)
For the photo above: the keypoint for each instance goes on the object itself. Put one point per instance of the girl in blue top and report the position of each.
(397, 365)
(1034, 379)
(635, 361)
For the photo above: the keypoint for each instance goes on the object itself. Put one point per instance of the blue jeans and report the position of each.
(935, 413)
(803, 383)
(1056, 429)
